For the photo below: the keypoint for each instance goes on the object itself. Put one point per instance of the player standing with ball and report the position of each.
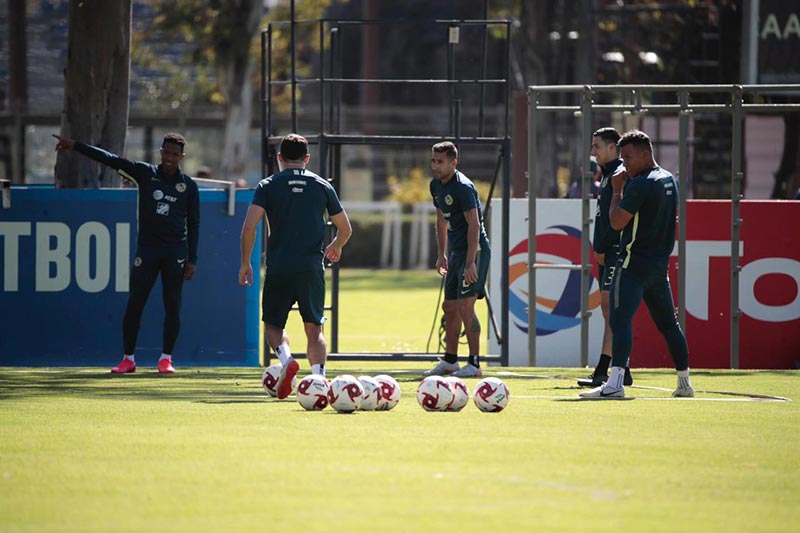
(294, 201)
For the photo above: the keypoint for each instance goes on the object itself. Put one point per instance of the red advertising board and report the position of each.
(769, 284)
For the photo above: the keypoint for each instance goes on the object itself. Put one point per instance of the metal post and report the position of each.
(683, 189)
(484, 52)
(737, 96)
(586, 191)
(532, 103)
(294, 66)
(451, 39)
(264, 102)
(321, 76)
(504, 262)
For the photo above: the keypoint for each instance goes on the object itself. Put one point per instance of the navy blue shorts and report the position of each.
(454, 286)
(282, 290)
(605, 274)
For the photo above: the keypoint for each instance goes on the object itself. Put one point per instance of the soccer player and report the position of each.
(606, 245)
(463, 258)
(645, 211)
(295, 201)
(169, 223)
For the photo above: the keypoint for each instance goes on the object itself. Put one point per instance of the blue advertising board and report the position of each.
(66, 256)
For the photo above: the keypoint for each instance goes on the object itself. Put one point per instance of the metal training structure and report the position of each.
(733, 99)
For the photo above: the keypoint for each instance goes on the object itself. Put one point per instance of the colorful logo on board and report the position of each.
(557, 307)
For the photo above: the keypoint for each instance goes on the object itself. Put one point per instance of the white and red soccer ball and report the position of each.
(372, 393)
(345, 393)
(312, 392)
(460, 393)
(491, 395)
(390, 392)
(269, 379)
(434, 394)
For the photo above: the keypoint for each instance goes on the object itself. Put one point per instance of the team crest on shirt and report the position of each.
(162, 208)
(158, 194)
(180, 187)
(137, 262)
(448, 200)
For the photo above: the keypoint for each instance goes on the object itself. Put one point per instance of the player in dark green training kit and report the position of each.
(606, 245)
(463, 258)
(295, 201)
(645, 210)
(169, 224)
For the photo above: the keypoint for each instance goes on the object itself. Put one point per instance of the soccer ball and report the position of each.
(390, 392)
(491, 395)
(372, 393)
(312, 392)
(460, 393)
(270, 379)
(345, 393)
(434, 394)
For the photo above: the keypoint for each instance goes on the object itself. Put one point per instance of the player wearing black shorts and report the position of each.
(295, 201)
(169, 223)
(463, 258)
(645, 210)
(606, 245)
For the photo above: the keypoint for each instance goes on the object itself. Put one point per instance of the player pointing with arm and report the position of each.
(645, 210)
(168, 228)
(294, 201)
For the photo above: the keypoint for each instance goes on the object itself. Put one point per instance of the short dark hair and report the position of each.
(294, 147)
(638, 139)
(608, 135)
(175, 138)
(446, 147)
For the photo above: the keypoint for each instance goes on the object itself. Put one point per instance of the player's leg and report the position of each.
(448, 363)
(466, 310)
(311, 301)
(142, 278)
(658, 298)
(172, 271)
(276, 302)
(600, 373)
(625, 297)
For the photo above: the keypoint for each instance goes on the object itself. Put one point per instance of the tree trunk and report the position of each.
(96, 89)
(235, 70)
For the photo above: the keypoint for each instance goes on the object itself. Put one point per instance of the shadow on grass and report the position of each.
(207, 385)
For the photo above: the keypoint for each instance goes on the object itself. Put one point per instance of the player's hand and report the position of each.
(441, 265)
(333, 253)
(189, 271)
(246, 275)
(470, 274)
(619, 180)
(64, 144)
(600, 258)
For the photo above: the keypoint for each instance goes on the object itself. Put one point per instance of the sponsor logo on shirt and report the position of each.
(158, 194)
(162, 209)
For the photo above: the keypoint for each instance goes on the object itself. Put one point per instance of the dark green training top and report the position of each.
(604, 235)
(296, 201)
(648, 239)
(453, 199)
(169, 206)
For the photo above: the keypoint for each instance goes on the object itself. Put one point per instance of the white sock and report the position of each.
(283, 352)
(616, 377)
(165, 356)
(683, 379)
(318, 369)
(130, 358)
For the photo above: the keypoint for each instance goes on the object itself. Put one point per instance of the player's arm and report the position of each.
(441, 243)
(343, 233)
(618, 217)
(127, 169)
(473, 234)
(192, 232)
(255, 214)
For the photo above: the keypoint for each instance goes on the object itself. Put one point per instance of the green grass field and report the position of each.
(207, 450)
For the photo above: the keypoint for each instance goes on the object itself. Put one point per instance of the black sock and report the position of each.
(450, 358)
(474, 360)
(602, 364)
